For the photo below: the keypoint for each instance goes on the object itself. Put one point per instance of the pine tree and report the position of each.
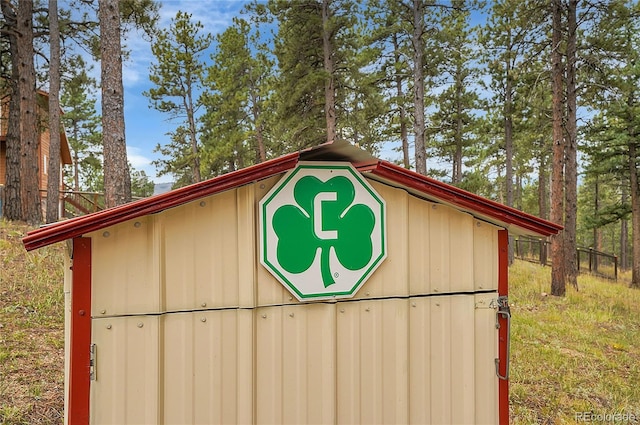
(234, 130)
(613, 80)
(455, 121)
(82, 125)
(558, 273)
(177, 77)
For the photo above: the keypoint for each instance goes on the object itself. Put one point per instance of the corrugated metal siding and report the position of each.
(222, 341)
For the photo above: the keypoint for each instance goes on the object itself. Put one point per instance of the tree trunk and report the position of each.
(624, 235)
(457, 160)
(571, 148)
(543, 210)
(29, 131)
(117, 181)
(635, 206)
(53, 178)
(558, 284)
(329, 68)
(12, 192)
(261, 153)
(193, 135)
(508, 130)
(596, 229)
(418, 87)
(542, 201)
(404, 137)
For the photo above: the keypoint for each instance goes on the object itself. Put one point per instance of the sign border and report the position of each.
(263, 230)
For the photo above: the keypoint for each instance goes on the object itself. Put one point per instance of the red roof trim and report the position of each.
(459, 198)
(81, 225)
(463, 199)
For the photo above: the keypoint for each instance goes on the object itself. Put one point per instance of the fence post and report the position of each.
(615, 266)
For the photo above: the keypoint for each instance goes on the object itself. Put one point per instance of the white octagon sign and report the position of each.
(322, 231)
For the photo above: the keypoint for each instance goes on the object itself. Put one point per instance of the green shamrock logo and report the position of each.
(324, 218)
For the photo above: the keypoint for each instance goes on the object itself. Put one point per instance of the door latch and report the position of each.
(501, 304)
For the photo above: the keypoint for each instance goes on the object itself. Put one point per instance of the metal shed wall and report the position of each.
(189, 328)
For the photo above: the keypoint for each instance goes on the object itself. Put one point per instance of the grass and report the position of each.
(31, 331)
(574, 354)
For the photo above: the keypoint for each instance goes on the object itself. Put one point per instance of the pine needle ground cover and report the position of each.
(569, 356)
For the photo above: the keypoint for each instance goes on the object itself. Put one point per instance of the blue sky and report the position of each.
(145, 127)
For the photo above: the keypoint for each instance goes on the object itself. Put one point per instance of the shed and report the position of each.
(240, 300)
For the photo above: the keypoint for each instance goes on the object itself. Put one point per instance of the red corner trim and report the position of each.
(79, 379)
(503, 290)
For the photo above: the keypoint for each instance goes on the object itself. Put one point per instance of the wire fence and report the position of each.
(589, 260)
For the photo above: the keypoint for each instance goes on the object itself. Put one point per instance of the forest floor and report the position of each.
(573, 359)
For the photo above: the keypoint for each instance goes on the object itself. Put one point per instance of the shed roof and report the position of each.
(501, 215)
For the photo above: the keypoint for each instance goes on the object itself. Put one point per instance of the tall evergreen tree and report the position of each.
(235, 133)
(455, 118)
(613, 79)
(82, 125)
(558, 273)
(177, 78)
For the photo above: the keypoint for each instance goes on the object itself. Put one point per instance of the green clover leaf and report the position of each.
(323, 218)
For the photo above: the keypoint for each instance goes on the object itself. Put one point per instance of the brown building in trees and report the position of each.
(43, 149)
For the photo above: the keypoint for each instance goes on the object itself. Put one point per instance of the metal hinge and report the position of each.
(92, 362)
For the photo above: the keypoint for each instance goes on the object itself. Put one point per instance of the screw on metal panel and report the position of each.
(480, 286)
(203, 203)
(367, 294)
(435, 289)
(204, 319)
(106, 234)
(290, 314)
(367, 309)
(140, 324)
(434, 206)
(82, 313)
(137, 224)
(413, 304)
(109, 326)
(478, 224)
(342, 310)
(103, 311)
(290, 298)
(262, 186)
(203, 304)
(264, 316)
(437, 304)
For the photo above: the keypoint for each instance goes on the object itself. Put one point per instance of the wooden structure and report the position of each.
(43, 149)
(172, 318)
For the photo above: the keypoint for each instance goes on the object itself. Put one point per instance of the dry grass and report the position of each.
(574, 354)
(31, 331)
